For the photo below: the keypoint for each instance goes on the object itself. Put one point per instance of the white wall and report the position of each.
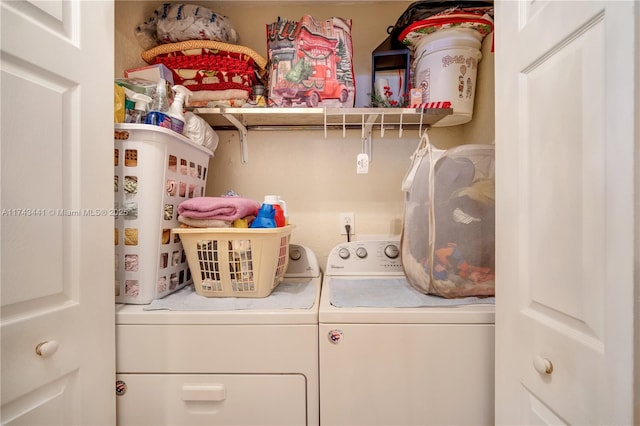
(316, 176)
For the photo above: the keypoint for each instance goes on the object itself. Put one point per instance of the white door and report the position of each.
(565, 150)
(57, 232)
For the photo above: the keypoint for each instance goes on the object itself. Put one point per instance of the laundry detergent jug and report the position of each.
(280, 207)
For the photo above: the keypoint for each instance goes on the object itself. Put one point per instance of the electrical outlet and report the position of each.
(347, 219)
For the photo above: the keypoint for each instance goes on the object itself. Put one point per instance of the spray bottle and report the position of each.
(159, 107)
(175, 110)
(136, 115)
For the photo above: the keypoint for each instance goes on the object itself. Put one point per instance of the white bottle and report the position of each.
(140, 110)
(175, 110)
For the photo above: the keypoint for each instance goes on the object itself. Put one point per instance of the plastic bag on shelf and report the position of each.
(199, 131)
(174, 22)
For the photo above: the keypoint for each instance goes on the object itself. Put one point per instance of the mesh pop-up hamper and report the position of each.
(236, 262)
(155, 170)
(448, 236)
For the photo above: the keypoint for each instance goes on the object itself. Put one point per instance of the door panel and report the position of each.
(564, 161)
(44, 154)
(57, 254)
(565, 147)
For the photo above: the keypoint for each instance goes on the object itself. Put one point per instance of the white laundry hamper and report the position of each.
(445, 69)
(155, 169)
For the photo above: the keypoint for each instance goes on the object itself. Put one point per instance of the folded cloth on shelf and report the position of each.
(204, 223)
(224, 103)
(213, 98)
(210, 65)
(218, 95)
(221, 208)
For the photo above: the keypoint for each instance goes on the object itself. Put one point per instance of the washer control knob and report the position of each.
(391, 251)
(295, 254)
(361, 252)
(343, 253)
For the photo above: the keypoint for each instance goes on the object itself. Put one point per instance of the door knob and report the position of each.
(542, 365)
(46, 349)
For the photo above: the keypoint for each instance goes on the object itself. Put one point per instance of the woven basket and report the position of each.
(183, 46)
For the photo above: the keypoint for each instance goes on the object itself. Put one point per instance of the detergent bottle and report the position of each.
(265, 217)
(138, 112)
(280, 207)
(157, 115)
(175, 110)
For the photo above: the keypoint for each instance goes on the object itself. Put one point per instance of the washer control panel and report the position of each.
(367, 257)
(302, 263)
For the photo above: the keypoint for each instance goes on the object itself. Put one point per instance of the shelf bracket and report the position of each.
(324, 119)
(243, 134)
(367, 147)
(421, 117)
(367, 129)
(367, 126)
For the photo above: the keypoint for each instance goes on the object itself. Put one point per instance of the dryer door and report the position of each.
(211, 399)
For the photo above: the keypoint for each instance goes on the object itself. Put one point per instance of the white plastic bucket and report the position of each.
(445, 69)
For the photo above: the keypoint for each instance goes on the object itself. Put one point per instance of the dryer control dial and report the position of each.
(295, 253)
(361, 252)
(343, 253)
(391, 251)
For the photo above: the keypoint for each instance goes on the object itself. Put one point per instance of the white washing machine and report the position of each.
(390, 355)
(240, 362)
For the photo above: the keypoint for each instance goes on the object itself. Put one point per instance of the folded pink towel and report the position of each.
(220, 208)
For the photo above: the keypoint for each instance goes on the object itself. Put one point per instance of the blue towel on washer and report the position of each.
(288, 295)
(390, 293)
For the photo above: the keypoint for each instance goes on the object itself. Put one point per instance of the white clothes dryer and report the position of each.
(390, 355)
(242, 362)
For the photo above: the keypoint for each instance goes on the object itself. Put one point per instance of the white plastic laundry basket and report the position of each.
(445, 69)
(155, 170)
